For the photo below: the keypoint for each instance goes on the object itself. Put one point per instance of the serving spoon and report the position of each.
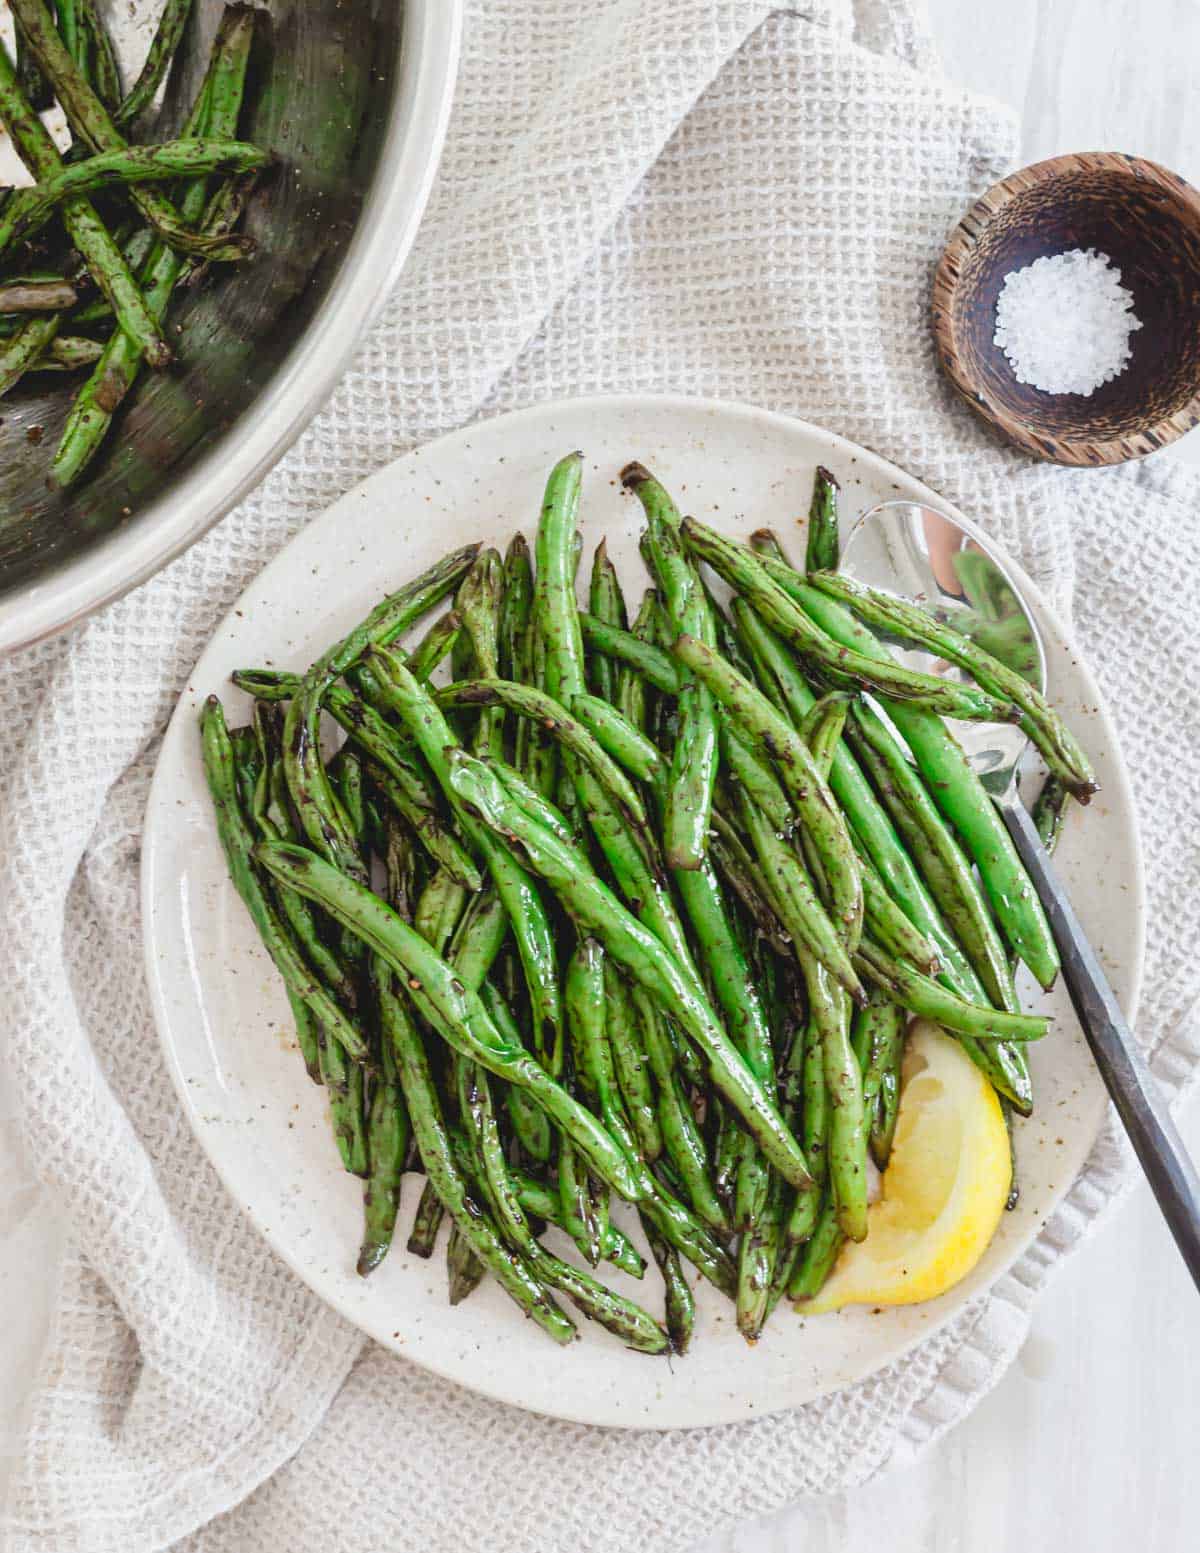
(920, 554)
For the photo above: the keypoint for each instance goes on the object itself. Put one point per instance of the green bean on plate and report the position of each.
(633, 928)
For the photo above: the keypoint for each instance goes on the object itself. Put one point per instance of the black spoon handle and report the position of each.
(1139, 1103)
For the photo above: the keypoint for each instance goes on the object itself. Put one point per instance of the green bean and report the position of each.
(631, 1064)
(595, 907)
(814, 1131)
(435, 646)
(439, 909)
(1049, 811)
(823, 545)
(554, 717)
(238, 846)
(90, 120)
(790, 891)
(26, 295)
(822, 727)
(427, 1222)
(388, 1130)
(316, 807)
(955, 788)
(937, 854)
(26, 348)
(1003, 1063)
(464, 1270)
(890, 927)
(67, 353)
(846, 1119)
(925, 997)
(820, 1254)
(758, 1251)
(186, 158)
(215, 112)
(681, 1136)
(424, 719)
(847, 669)
(880, 1028)
(653, 664)
(554, 587)
(899, 618)
(84, 227)
(537, 807)
(694, 757)
(104, 71)
(737, 868)
(452, 1008)
(445, 1178)
(542, 1202)
(760, 722)
(169, 31)
(606, 602)
(627, 745)
(631, 689)
(307, 1038)
(680, 1306)
(529, 1121)
(479, 602)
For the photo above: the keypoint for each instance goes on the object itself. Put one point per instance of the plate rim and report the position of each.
(1119, 782)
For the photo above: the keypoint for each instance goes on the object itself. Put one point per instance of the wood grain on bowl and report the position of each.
(1147, 220)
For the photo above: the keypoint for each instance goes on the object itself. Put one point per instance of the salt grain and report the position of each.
(1064, 322)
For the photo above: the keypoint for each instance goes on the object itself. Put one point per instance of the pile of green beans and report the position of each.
(94, 250)
(628, 914)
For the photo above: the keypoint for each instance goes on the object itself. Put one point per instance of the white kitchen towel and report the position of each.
(719, 198)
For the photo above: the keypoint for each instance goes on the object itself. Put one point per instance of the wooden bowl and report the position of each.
(1147, 220)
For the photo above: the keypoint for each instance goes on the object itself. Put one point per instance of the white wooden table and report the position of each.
(1091, 1441)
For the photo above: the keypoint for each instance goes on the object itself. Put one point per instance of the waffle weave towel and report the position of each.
(707, 196)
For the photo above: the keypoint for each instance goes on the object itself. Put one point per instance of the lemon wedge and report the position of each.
(943, 1191)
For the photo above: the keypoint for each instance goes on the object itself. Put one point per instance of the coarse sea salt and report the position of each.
(1064, 322)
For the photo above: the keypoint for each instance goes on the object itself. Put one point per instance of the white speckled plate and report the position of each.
(224, 1019)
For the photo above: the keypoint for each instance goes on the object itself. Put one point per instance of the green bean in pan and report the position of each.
(595, 907)
(90, 121)
(185, 158)
(171, 23)
(845, 668)
(84, 227)
(899, 618)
